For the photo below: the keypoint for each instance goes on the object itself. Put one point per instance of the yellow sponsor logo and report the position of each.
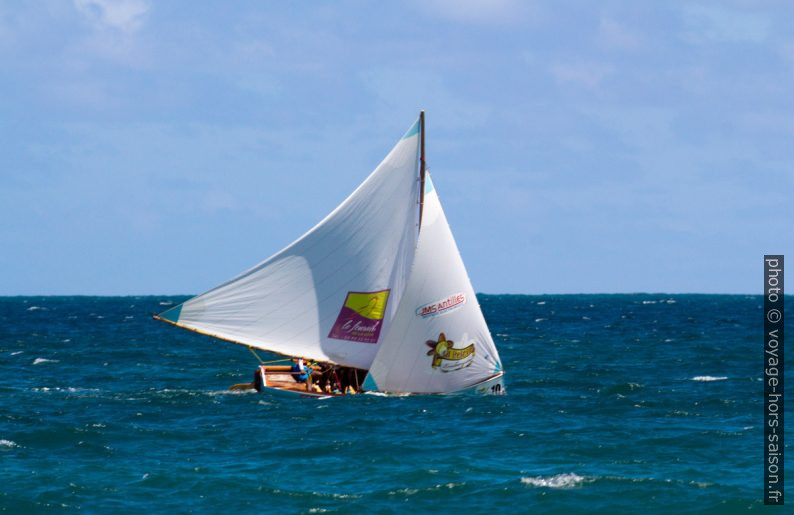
(444, 350)
(370, 305)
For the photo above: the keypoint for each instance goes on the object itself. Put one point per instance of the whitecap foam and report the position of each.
(214, 393)
(709, 378)
(558, 481)
(8, 443)
(17, 352)
(67, 389)
(383, 394)
(36, 308)
(39, 361)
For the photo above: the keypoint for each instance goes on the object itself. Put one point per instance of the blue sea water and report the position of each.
(615, 403)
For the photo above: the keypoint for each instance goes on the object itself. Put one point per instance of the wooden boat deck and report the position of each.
(279, 380)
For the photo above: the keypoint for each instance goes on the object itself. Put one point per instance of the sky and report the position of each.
(163, 147)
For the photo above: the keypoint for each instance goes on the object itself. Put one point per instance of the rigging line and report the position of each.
(256, 355)
(282, 360)
(279, 361)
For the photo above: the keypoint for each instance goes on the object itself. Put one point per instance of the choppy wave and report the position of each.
(41, 361)
(709, 378)
(214, 393)
(558, 481)
(66, 389)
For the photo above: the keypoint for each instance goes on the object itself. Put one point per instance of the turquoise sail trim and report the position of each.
(369, 384)
(428, 184)
(172, 315)
(412, 131)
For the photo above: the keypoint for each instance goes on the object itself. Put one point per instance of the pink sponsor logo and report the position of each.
(361, 317)
(442, 307)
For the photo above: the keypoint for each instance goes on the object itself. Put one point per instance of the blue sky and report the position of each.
(163, 147)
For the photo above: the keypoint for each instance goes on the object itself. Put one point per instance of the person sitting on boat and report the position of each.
(349, 380)
(325, 379)
(300, 372)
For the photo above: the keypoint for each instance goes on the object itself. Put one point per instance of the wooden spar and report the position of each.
(421, 166)
(207, 333)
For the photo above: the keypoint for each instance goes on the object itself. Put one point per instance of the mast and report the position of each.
(421, 166)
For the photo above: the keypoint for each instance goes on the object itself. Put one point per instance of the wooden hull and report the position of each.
(283, 383)
(278, 379)
(292, 393)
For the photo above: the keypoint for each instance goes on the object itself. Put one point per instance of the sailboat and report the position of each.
(377, 286)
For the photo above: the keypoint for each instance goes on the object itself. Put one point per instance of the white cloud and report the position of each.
(786, 51)
(219, 200)
(84, 93)
(124, 15)
(5, 30)
(720, 24)
(614, 35)
(115, 36)
(404, 90)
(254, 51)
(477, 11)
(589, 74)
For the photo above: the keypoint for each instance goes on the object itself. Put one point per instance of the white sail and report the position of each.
(438, 341)
(331, 294)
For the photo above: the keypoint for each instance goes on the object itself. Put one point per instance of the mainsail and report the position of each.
(378, 285)
(332, 293)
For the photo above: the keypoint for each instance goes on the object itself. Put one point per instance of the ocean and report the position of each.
(648, 402)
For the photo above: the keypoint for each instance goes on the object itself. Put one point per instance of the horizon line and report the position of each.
(190, 295)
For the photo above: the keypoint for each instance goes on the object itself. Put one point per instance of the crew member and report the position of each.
(301, 373)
